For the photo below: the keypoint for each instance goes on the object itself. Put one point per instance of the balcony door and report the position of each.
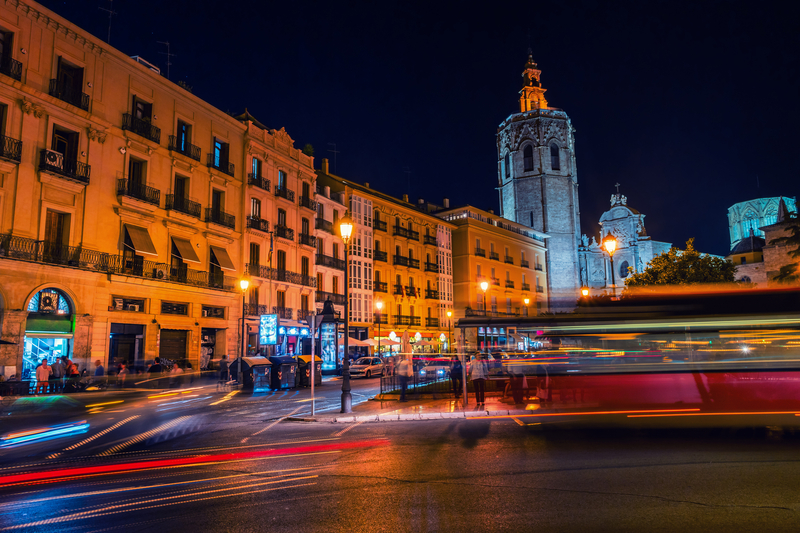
(56, 234)
(305, 227)
(306, 190)
(69, 80)
(65, 142)
(281, 262)
(217, 201)
(184, 136)
(142, 110)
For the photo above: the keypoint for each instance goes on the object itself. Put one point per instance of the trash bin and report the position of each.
(284, 371)
(255, 373)
(304, 370)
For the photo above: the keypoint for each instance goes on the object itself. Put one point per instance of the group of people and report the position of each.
(56, 377)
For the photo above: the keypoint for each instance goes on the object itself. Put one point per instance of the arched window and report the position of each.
(507, 164)
(555, 158)
(528, 158)
(623, 269)
(50, 301)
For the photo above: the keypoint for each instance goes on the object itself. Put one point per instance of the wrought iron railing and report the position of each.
(539, 288)
(400, 231)
(509, 260)
(283, 192)
(538, 267)
(139, 191)
(379, 225)
(495, 281)
(255, 309)
(480, 252)
(412, 291)
(52, 161)
(331, 262)
(141, 127)
(136, 266)
(284, 233)
(526, 286)
(431, 294)
(413, 263)
(524, 264)
(381, 256)
(66, 93)
(379, 318)
(336, 299)
(24, 249)
(429, 239)
(10, 148)
(258, 181)
(218, 216)
(406, 320)
(223, 166)
(324, 225)
(400, 260)
(399, 290)
(262, 271)
(509, 284)
(481, 312)
(183, 205)
(431, 267)
(183, 147)
(432, 322)
(283, 312)
(11, 67)
(494, 256)
(380, 286)
(258, 223)
(307, 202)
(307, 240)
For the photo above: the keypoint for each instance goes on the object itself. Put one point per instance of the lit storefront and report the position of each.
(49, 330)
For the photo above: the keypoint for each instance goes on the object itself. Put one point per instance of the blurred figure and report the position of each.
(174, 375)
(389, 366)
(456, 376)
(122, 375)
(57, 376)
(99, 371)
(43, 377)
(478, 376)
(223, 371)
(404, 370)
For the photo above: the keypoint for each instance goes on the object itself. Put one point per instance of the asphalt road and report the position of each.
(234, 466)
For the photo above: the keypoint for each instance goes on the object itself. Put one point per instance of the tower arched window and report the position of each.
(528, 158)
(507, 165)
(555, 157)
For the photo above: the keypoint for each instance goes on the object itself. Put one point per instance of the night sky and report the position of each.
(690, 106)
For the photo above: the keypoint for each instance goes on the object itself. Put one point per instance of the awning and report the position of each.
(220, 257)
(185, 250)
(140, 240)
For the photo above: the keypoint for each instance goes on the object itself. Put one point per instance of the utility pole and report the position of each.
(168, 54)
(111, 13)
(334, 152)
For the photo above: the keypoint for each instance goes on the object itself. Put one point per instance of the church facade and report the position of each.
(538, 183)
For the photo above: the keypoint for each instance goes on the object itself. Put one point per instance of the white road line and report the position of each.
(90, 439)
(348, 428)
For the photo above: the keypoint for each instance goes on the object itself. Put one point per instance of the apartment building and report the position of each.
(330, 249)
(395, 258)
(129, 207)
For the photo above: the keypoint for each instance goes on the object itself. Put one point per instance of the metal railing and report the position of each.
(10, 148)
(225, 167)
(526, 286)
(431, 267)
(24, 249)
(218, 216)
(336, 299)
(308, 203)
(52, 161)
(283, 312)
(381, 256)
(406, 320)
(141, 127)
(524, 264)
(283, 192)
(432, 322)
(378, 318)
(307, 240)
(255, 309)
(261, 271)
(400, 231)
(183, 205)
(380, 286)
(538, 267)
(379, 225)
(324, 225)
(539, 288)
(11, 67)
(64, 92)
(509, 284)
(284, 233)
(400, 260)
(139, 191)
(136, 266)
(186, 148)
(398, 290)
(257, 223)
(258, 181)
(509, 260)
(413, 263)
(480, 252)
(431, 294)
(495, 281)
(411, 291)
(494, 256)
(430, 239)
(480, 312)
(330, 262)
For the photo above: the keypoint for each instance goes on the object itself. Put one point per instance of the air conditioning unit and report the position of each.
(160, 273)
(133, 307)
(53, 159)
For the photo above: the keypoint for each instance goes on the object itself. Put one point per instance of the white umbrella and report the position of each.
(353, 342)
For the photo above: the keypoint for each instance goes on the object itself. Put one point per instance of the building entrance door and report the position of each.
(173, 346)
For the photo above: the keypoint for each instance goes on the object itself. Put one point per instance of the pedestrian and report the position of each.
(223, 372)
(43, 372)
(404, 370)
(156, 367)
(99, 371)
(478, 376)
(456, 376)
(174, 375)
(57, 376)
(122, 375)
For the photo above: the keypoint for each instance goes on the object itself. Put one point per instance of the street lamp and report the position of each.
(484, 287)
(585, 292)
(244, 283)
(450, 330)
(346, 231)
(610, 245)
(527, 303)
(379, 306)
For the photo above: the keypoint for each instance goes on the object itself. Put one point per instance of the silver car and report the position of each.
(367, 367)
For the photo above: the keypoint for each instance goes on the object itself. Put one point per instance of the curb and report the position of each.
(402, 417)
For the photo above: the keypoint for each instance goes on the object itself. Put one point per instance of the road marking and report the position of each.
(269, 426)
(90, 439)
(348, 428)
(144, 436)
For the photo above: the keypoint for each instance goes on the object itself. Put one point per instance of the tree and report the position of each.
(683, 267)
(788, 273)
(308, 150)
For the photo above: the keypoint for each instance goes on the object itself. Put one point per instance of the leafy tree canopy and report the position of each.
(308, 150)
(683, 267)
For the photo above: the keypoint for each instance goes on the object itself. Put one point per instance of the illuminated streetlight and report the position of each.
(610, 245)
(585, 291)
(346, 231)
(450, 330)
(244, 283)
(484, 287)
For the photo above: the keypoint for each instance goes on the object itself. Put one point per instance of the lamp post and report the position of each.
(484, 287)
(449, 330)
(244, 283)
(527, 302)
(379, 306)
(610, 245)
(585, 292)
(346, 230)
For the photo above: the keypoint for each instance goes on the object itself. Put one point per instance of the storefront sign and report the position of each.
(297, 332)
(268, 329)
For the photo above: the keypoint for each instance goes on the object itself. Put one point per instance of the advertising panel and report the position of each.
(268, 329)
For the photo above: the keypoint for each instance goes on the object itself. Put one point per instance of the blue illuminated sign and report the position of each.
(268, 329)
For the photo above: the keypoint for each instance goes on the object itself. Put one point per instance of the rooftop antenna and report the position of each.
(111, 13)
(168, 54)
(334, 152)
(408, 180)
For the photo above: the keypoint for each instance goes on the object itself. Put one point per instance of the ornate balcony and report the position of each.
(524, 264)
(223, 166)
(11, 67)
(139, 191)
(261, 271)
(406, 320)
(283, 192)
(220, 217)
(183, 205)
(130, 266)
(380, 318)
(494, 256)
(324, 225)
(495, 281)
(398, 290)
(258, 224)
(10, 148)
(526, 286)
(336, 299)
(400, 260)
(430, 239)
(182, 147)
(283, 312)
(379, 225)
(380, 286)
(539, 288)
(255, 310)
(331, 262)
(400, 231)
(413, 263)
(509, 260)
(431, 267)
(411, 291)
(432, 322)
(258, 181)
(55, 162)
(284, 233)
(308, 203)
(66, 93)
(141, 127)
(538, 267)
(381, 256)
(308, 240)
(431, 294)
(509, 284)
(480, 252)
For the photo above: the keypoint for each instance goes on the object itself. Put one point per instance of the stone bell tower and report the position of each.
(538, 182)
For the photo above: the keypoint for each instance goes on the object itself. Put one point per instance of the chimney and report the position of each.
(366, 184)
(405, 198)
(325, 165)
(327, 190)
(420, 201)
(446, 203)
(491, 211)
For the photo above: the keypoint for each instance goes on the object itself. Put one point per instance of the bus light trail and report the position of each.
(584, 413)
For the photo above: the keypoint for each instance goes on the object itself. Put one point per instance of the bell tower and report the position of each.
(538, 182)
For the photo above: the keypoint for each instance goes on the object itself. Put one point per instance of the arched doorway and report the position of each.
(49, 329)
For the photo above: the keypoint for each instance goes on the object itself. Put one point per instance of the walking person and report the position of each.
(478, 376)
(223, 372)
(404, 370)
(57, 376)
(122, 375)
(456, 376)
(43, 372)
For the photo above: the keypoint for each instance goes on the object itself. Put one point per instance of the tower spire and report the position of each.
(532, 94)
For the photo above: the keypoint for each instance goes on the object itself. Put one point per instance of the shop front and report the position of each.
(49, 330)
(126, 345)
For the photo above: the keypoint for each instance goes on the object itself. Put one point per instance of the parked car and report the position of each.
(367, 367)
(436, 369)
